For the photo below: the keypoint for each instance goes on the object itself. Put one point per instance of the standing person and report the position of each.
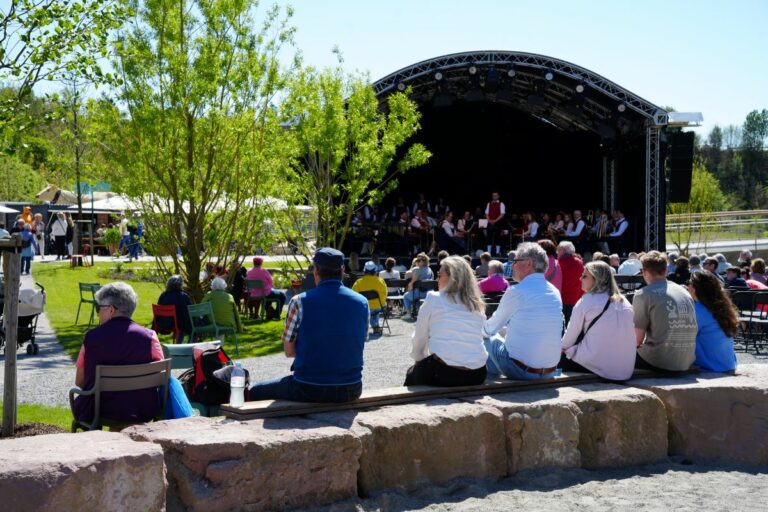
(531, 311)
(370, 281)
(600, 337)
(447, 345)
(665, 320)
(325, 331)
(494, 212)
(70, 235)
(59, 235)
(38, 229)
(572, 268)
(717, 321)
(29, 246)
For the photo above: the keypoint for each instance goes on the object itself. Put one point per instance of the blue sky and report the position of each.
(703, 55)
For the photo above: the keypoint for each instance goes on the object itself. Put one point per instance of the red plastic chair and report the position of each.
(166, 312)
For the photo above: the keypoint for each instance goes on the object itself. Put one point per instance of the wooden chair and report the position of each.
(203, 322)
(88, 296)
(121, 378)
(182, 358)
(374, 295)
(166, 311)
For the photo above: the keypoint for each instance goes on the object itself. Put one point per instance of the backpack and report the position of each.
(207, 382)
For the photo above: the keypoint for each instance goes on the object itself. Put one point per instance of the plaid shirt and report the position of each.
(293, 319)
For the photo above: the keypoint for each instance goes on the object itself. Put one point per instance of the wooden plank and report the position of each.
(12, 271)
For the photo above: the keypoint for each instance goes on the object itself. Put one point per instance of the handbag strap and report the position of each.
(605, 308)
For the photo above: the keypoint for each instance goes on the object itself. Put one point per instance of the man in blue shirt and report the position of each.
(532, 313)
(325, 332)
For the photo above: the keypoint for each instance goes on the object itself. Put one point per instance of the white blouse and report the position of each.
(450, 331)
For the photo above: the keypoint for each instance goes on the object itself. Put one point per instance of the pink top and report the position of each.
(554, 274)
(493, 283)
(261, 274)
(157, 352)
(609, 348)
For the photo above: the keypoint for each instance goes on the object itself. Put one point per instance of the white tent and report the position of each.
(113, 204)
(5, 209)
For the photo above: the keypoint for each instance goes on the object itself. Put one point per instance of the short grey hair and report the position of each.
(533, 251)
(496, 266)
(120, 296)
(566, 246)
(175, 282)
(218, 284)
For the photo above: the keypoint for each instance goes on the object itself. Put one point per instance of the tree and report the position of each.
(754, 133)
(20, 181)
(200, 146)
(349, 151)
(41, 39)
(689, 220)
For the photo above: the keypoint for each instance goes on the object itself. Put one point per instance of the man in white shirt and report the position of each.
(578, 225)
(616, 237)
(532, 314)
(631, 267)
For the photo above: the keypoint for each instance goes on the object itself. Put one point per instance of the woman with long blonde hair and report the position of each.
(447, 342)
(600, 337)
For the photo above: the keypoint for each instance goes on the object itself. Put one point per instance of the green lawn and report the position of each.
(34, 413)
(63, 295)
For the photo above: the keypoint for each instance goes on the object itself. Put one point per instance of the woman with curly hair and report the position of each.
(717, 321)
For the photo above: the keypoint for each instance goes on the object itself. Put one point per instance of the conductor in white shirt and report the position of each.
(532, 314)
(447, 342)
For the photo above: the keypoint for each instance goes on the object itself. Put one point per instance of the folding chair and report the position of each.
(121, 378)
(374, 295)
(760, 319)
(203, 322)
(182, 358)
(744, 302)
(396, 297)
(261, 299)
(169, 312)
(89, 289)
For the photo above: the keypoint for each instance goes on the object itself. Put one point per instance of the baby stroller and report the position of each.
(31, 304)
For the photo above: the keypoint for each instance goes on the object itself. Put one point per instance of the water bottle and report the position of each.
(237, 386)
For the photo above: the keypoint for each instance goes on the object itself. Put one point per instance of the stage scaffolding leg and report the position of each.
(652, 188)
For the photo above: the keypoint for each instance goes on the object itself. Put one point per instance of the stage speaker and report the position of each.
(680, 167)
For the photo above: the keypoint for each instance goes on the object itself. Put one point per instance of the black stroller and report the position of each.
(31, 304)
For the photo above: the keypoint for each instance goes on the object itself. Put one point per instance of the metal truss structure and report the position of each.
(564, 95)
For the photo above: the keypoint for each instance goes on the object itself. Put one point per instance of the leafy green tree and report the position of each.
(200, 146)
(41, 39)
(349, 149)
(20, 181)
(754, 134)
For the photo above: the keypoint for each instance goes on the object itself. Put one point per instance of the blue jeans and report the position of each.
(287, 388)
(410, 297)
(375, 317)
(500, 362)
(26, 262)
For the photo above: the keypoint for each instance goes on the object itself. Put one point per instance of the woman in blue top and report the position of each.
(718, 322)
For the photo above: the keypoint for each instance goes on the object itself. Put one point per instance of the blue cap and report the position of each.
(329, 257)
(369, 267)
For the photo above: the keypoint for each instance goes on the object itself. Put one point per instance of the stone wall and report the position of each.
(274, 464)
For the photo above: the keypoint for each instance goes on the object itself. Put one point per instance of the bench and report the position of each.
(402, 394)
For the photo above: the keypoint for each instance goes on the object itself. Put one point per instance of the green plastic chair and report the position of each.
(204, 323)
(258, 284)
(182, 358)
(88, 296)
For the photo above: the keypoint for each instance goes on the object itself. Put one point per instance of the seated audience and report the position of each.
(257, 273)
(695, 264)
(745, 258)
(603, 319)
(224, 307)
(422, 272)
(531, 311)
(174, 295)
(665, 320)
(718, 323)
(681, 273)
(370, 281)
(757, 271)
(509, 264)
(389, 272)
(482, 269)
(711, 265)
(733, 278)
(328, 352)
(447, 345)
(614, 262)
(671, 259)
(722, 263)
(117, 341)
(554, 274)
(495, 281)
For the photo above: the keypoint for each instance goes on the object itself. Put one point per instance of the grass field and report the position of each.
(28, 413)
(63, 296)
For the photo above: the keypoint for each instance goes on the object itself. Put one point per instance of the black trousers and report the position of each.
(569, 365)
(60, 244)
(431, 371)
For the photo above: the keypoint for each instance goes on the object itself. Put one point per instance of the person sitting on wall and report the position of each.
(447, 345)
(325, 332)
(718, 322)
(531, 312)
(665, 320)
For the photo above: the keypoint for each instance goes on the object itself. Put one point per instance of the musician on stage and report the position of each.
(494, 212)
